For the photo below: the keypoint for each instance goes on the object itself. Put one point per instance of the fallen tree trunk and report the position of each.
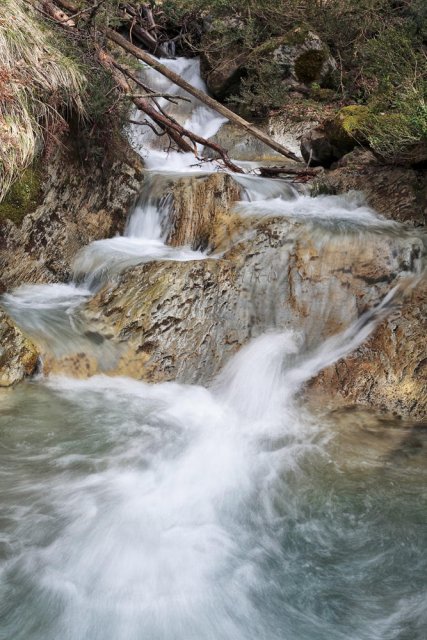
(175, 131)
(141, 103)
(203, 97)
(108, 63)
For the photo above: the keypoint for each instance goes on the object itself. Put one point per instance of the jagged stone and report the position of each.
(182, 321)
(201, 211)
(72, 214)
(18, 355)
(398, 193)
(389, 371)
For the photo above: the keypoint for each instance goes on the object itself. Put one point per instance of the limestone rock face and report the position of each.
(182, 321)
(18, 355)
(80, 204)
(201, 211)
(389, 371)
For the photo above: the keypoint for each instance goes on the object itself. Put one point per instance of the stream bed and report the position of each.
(228, 511)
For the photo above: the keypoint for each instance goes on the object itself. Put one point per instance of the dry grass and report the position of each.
(38, 84)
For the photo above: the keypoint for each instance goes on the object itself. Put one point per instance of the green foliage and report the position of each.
(397, 71)
(262, 89)
(379, 45)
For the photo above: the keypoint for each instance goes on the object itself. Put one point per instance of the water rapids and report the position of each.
(133, 511)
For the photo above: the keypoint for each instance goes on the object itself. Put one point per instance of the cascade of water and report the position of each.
(147, 227)
(50, 319)
(173, 512)
(199, 514)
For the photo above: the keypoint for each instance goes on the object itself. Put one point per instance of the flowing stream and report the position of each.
(167, 511)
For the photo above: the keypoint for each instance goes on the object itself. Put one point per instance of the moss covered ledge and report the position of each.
(24, 196)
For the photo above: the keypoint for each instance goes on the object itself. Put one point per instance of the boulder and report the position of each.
(359, 125)
(317, 148)
(223, 60)
(301, 56)
(399, 193)
(183, 320)
(282, 128)
(222, 74)
(335, 137)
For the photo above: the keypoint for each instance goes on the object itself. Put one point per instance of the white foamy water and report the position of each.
(194, 116)
(177, 512)
(349, 210)
(174, 512)
(145, 233)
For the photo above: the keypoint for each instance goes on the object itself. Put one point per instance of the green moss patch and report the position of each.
(308, 66)
(23, 197)
(347, 128)
(293, 38)
(352, 118)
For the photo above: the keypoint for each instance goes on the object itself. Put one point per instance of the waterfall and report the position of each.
(221, 512)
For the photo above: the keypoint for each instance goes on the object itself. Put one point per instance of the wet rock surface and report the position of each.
(18, 355)
(389, 371)
(80, 204)
(182, 321)
(201, 211)
(399, 193)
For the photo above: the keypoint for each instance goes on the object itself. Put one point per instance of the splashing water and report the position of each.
(174, 512)
(169, 511)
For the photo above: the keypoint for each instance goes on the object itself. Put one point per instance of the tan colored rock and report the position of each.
(18, 355)
(81, 203)
(182, 321)
(240, 145)
(202, 211)
(398, 193)
(389, 371)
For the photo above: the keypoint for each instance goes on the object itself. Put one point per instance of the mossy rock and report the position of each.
(393, 139)
(23, 197)
(300, 54)
(293, 38)
(308, 66)
(353, 118)
(346, 129)
(321, 94)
